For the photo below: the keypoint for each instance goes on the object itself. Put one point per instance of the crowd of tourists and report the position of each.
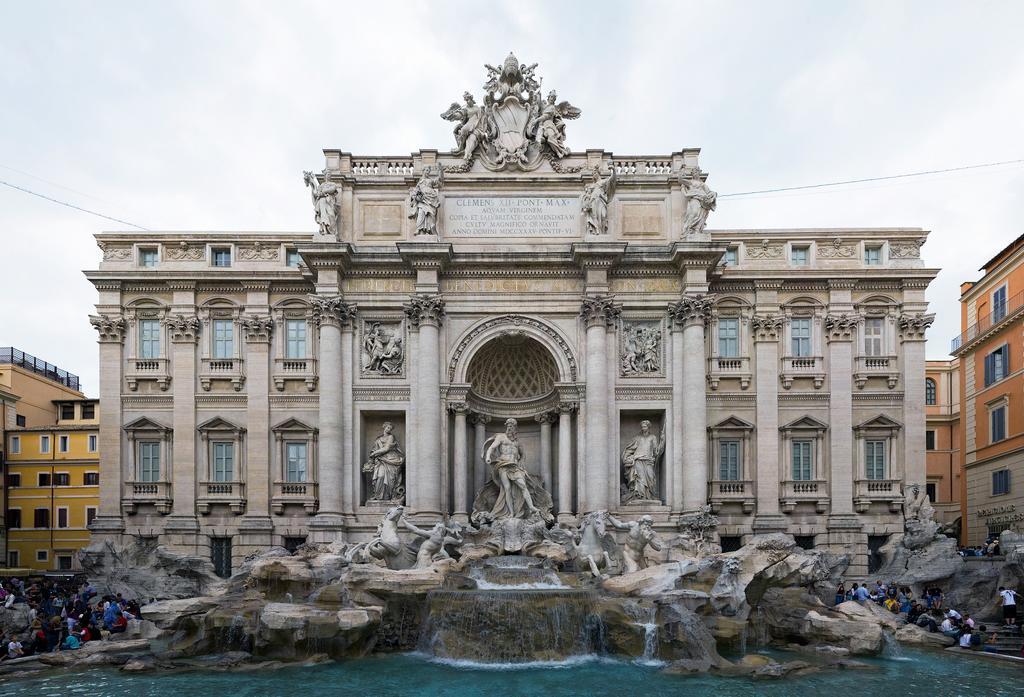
(62, 616)
(989, 549)
(929, 612)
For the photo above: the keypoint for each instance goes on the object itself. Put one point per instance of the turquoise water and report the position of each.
(924, 674)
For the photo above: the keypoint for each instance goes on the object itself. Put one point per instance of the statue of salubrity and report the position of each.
(639, 463)
(384, 464)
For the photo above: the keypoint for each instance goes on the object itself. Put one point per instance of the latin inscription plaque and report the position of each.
(511, 216)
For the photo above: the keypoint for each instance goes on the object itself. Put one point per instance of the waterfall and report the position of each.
(891, 648)
(510, 625)
(645, 617)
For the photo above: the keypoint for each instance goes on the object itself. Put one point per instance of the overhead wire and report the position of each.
(71, 205)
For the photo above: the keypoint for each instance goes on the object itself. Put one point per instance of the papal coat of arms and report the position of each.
(515, 127)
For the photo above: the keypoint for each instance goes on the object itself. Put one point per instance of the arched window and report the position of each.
(929, 392)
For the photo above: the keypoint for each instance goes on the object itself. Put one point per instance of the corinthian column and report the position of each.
(480, 422)
(598, 313)
(330, 313)
(839, 329)
(425, 312)
(565, 461)
(111, 329)
(545, 450)
(461, 464)
(912, 337)
(693, 313)
(766, 329)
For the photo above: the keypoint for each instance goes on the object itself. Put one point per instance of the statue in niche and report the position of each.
(639, 463)
(325, 203)
(594, 203)
(512, 493)
(548, 124)
(425, 199)
(383, 349)
(640, 536)
(700, 201)
(385, 467)
(641, 350)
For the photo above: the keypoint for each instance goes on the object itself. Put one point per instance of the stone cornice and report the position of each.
(426, 255)
(602, 255)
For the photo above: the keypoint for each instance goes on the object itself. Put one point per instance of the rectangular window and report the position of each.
(93, 440)
(90, 514)
(295, 339)
(998, 304)
(292, 258)
(873, 336)
(62, 517)
(13, 517)
(64, 562)
(929, 489)
(67, 412)
(223, 462)
(1001, 482)
(62, 443)
(62, 479)
(799, 255)
(997, 365)
(13, 559)
(803, 464)
(220, 555)
(221, 256)
(91, 479)
(43, 479)
(88, 411)
(729, 337)
(148, 257)
(149, 338)
(872, 256)
(800, 330)
(42, 555)
(929, 440)
(15, 445)
(293, 543)
(729, 460)
(295, 465)
(874, 459)
(19, 420)
(730, 258)
(997, 424)
(149, 462)
(223, 338)
(13, 480)
(42, 518)
(44, 444)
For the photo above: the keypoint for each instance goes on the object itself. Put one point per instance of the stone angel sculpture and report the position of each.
(474, 125)
(700, 201)
(425, 199)
(325, 203)
(548, 124)
(594, 203)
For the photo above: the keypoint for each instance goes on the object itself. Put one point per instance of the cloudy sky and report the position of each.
(202, 115)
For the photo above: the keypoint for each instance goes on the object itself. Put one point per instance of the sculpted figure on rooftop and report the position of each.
(700, 201)
(325, 203)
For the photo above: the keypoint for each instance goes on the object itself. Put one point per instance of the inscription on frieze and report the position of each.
(511, 216)
(511, 285)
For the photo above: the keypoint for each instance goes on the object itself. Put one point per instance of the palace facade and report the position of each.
(246, 378)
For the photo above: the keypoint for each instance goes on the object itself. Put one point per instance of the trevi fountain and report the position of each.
(616, 519)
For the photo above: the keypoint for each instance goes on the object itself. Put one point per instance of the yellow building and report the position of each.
(53, 476)
(29, 387)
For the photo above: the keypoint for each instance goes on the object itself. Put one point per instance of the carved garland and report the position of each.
(514, 321)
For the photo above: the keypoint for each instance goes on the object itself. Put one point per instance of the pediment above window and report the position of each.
(144, 423)
(733, 423)
(879, 423)
(218, 424)
(293, 425)
(805, 423)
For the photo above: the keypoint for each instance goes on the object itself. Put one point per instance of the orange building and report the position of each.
(942, 437)
(991, 354)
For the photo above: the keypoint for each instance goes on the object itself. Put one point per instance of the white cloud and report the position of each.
(197, 115)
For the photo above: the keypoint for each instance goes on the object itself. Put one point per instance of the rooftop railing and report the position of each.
(999, 313)
(12, 356)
